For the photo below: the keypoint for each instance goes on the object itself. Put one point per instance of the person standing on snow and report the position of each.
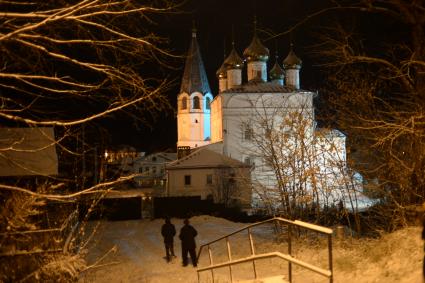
(187, 237)
(168, 231)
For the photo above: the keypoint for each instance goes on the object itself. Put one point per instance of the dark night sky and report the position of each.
(214, 20)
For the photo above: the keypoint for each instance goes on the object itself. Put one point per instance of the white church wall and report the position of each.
(216, 120)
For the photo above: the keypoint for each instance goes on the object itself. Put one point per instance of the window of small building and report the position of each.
(141, 170)
(154, 170)
(196, 104)
(249, 161)
(184, 103)
(187, 180)
(209, 179)
(154, 158)
(146, 169)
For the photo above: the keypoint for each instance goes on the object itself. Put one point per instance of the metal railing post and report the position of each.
(211, 262)
(330, 257)
(255, 257)
(290, 252)
(251, 243)
(229, 254)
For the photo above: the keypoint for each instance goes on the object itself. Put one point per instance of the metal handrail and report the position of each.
(320, 229)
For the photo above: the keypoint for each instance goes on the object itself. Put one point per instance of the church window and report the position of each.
(184, 103)
(187, 180)
(196, 104)
(247, 132)
(209, 179)
(207, 103)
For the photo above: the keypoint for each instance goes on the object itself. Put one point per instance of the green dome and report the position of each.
(277, 73)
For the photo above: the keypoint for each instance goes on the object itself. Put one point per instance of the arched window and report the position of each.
(207, 103)
(184, 103)
(196, 103)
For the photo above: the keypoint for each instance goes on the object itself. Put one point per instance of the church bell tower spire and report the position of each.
(193, 101)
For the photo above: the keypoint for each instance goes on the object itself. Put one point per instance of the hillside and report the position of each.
(135, 254)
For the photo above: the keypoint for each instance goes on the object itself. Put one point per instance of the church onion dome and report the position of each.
(292, 61)
(277, 73)
(233, 61)
(256, 51)
(222, 72)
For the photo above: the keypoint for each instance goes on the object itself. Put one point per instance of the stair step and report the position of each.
(272, 279)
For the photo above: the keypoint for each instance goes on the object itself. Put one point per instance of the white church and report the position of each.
(266, 122)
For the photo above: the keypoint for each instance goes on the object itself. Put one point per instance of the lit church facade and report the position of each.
(267, 122)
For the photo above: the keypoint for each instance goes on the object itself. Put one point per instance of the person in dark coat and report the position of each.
(187, 237)
(168, 231)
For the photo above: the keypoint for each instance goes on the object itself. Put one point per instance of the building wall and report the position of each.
(241, 110)
(216, 120)
(193, 124)
(199, 186)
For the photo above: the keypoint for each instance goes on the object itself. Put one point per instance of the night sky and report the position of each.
(214, 20)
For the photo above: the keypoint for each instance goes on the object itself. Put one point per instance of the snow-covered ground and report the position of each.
(134, 253)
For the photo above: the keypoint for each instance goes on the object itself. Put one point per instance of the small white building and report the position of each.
(208, 174)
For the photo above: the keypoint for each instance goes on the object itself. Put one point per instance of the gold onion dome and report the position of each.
(222, 72)
(233, 61)
(256, 51)
(277, 73)
(292, 61)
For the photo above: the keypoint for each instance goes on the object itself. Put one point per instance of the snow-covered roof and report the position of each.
(328, 132)
(28, 152)
(205, 158)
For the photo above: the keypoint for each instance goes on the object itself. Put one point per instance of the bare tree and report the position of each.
(66, 65)
(299, 171)
(376, 94)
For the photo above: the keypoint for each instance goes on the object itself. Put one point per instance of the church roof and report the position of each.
(194, 76)
(222, 72)
(256, 51)
(292, 61)
(277, 72)
(205, 158)
(258, 86)
(233, 61)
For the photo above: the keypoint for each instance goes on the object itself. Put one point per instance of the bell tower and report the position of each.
(193, 102)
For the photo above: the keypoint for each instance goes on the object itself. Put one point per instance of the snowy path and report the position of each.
(140, 251)
(394, 258)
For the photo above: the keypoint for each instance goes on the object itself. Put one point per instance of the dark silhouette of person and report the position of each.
(168, 231)
(187, 237)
